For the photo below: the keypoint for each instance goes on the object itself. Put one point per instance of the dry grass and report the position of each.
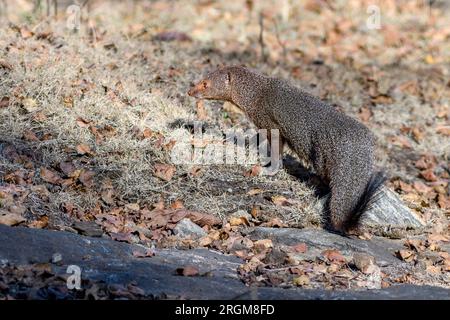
(122, 79)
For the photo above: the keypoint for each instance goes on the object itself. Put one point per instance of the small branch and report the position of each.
(261, 37)
(281, 43)
(36, 6)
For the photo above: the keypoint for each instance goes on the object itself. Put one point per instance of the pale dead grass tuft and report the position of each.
(151, 78)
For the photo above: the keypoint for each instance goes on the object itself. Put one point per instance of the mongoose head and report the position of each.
(215, 85)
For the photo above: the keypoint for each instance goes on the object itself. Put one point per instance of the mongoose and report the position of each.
(339, 148)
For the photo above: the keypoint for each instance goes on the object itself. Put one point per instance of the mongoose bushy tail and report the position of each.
(339, 148)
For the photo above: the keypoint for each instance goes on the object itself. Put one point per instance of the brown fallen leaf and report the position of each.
(428, 175)
(39, 117)
(421, 187)
(253, 172)
(436, 237)
(255, 191)
(134, 207)
(274, 223)
(443, 202)
(188, 271)
(365, 114)
(405, 255)
(199, 218)
(10, 219)
(263, 244)
(83, 123)
(4, 102)
(147, 133)
(434, 269)
(169, 145)
(237, 221)
(29, 135)
(158, 219)
(50, 176)
(444, 130)
(68, 168)
(177, 204)
(143, 253)
(281, 201)
(427, 161)
(83, 149)
(108, 196)
(400, 141)
(417, 134)
(300, 248)
(405, 187)
(87, 178)
(415, 244)
(195, 171)
(446, 266)
(25, 33)
(302, 280)
(68, 101)
(256, 210)
(334, 256)
(41, 223)
(210, 238)
(164, 171)
(205, 241)
(5, 65)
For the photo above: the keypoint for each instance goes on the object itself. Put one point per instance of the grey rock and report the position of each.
(318, 240)
(390, 211)
(185, 228)
(362, 260)
(387, 212)
(56, 258)
(88, 228)
(398, 292)
(242, 214)
(114, 263)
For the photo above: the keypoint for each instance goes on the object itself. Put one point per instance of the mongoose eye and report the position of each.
(205, 85)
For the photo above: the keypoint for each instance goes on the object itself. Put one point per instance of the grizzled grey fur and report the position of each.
(340, 149)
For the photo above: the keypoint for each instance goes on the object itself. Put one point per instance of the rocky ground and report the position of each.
(90, 118)
(37, 268)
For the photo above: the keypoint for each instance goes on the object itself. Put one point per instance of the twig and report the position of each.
(281, 43)
(261, 37)
(3, 8)
(36, 6)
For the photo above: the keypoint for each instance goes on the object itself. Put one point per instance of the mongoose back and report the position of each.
(339, 148)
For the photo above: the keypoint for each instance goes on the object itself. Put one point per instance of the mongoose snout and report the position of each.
(339, 148)
(216, 85)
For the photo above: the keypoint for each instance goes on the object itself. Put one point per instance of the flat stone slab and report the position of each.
(388, 211)
(114, 262)
(318, 240)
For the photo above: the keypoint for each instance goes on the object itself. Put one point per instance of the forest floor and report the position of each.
(89, 120)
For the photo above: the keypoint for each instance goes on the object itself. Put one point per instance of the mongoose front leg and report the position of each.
(276, 144)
